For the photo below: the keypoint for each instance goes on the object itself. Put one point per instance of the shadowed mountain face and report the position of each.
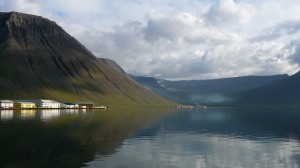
(283, 93)
(38, 59)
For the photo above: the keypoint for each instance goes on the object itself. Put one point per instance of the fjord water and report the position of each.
(150, 137)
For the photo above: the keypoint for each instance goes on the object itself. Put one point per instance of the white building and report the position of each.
(47, 103)
(6, 104)
(69, 105)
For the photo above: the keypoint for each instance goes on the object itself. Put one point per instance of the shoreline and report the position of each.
(39, 108)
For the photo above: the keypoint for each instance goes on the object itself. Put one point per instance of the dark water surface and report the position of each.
(150, 137)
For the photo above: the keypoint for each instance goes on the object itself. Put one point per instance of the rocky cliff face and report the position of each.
(26, 30)
(38, 59)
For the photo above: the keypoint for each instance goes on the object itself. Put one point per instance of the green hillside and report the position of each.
(38, 59)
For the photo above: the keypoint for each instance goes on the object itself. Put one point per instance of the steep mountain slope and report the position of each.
(283, 93)
(206, 92)
(113, 65)
(38, 59)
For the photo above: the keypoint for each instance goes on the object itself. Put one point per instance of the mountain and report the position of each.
(154, 85)
(113, 64)
(38, 59)
(282, 93)
(206, 92)
(225, 85)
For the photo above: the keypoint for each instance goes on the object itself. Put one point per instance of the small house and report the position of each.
(5, 104)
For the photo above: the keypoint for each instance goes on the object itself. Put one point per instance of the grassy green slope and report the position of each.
(38, 59)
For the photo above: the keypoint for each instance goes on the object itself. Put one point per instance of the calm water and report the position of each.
(135, 138)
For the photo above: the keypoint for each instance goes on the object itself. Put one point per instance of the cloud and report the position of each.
(180, 45)
(167, 45)
(201, 150)
(229, 12)
(176, 26)
(21, 5)
(286, 28)
(294, 47)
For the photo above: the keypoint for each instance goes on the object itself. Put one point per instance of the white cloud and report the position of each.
(180, 45)
(21, 5)
(286, 28)
(294, 47)
(229, 12)
(167, 45)
(176, 26)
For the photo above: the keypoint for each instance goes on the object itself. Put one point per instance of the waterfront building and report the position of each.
(23, 104)
(68, 105)
(47, 103)
(86, 104)
(5, 104)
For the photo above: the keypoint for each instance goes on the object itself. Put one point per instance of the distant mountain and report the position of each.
(206, 92)
(225, 85)
(154, 85)
(38, 59)
(282, 93)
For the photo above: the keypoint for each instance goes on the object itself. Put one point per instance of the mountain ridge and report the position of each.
(39, 59)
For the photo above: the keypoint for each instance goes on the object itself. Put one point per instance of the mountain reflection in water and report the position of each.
(150, 137)
(67, 138)
(213, 138)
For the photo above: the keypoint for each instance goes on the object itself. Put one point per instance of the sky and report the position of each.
(181, 39)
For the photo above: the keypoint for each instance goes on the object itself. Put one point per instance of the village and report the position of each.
(46, 104)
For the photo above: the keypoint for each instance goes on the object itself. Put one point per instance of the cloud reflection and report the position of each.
(204, 150)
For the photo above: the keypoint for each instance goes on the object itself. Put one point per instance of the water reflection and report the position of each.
(202, 150)
(214, 138)
(47, 114)
(6, 114)
(41, 114)
(73, 111)
(132, 137)
(27, 114)
(68, 138)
